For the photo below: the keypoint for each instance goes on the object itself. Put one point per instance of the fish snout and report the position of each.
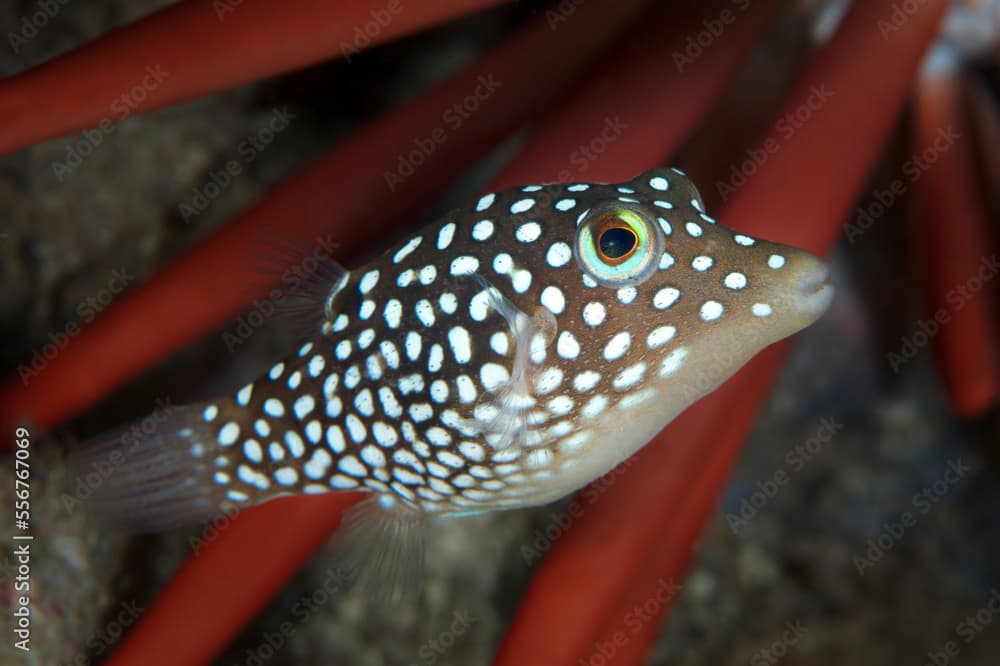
(810, 290)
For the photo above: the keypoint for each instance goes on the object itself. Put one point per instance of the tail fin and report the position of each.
(155, 473)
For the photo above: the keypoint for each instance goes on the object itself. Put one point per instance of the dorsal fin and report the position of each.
(300, 281)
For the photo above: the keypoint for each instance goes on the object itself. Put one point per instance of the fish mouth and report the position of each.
(815, 291)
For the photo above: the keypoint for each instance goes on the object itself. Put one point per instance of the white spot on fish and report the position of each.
(553, 299)
(448, 302)
(482, 230)
(775, 261)
(445, 236)
(464, 265)
(548, 380)
(243, 395)
(660, 336)
(319, 462)
(368, 281)
(629, 377)
(373, 456)
(500, 343)
(594, 313)
(351, 465)
(466, 389)
(521, 280)
(436, 358)
(294, 443)
(627, 294)
(439, 391)
(745, 241)
(761, 310)
(479, 306)
(428, 274)
(405, 251)
(522, 206)
(710, 310)
(673, 361)
(303, 406)
(735, 281)
(389, 353)
(355, 428)
(252, 451)
(316, 365)
(275, 451)
(665, 297)
(528, 232)
(384, 434)
(367, 309)
(586, 380)
(461, 344)
(413, 345)
(274, 407)
(617, 346)
(425, 312)
(406, 278)
(558, 255)
(567, 345)
(701, 263)
(659, 183)
(493, 375)
(485, 202)
(335, 439)
(314, 431)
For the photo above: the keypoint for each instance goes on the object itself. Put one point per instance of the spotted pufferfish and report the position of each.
(502, 356)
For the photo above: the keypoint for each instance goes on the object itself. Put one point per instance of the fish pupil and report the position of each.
(617, 242)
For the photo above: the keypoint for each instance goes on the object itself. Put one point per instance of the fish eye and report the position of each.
(618, 245)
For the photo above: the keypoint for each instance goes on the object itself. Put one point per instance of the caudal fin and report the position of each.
(155, 473)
